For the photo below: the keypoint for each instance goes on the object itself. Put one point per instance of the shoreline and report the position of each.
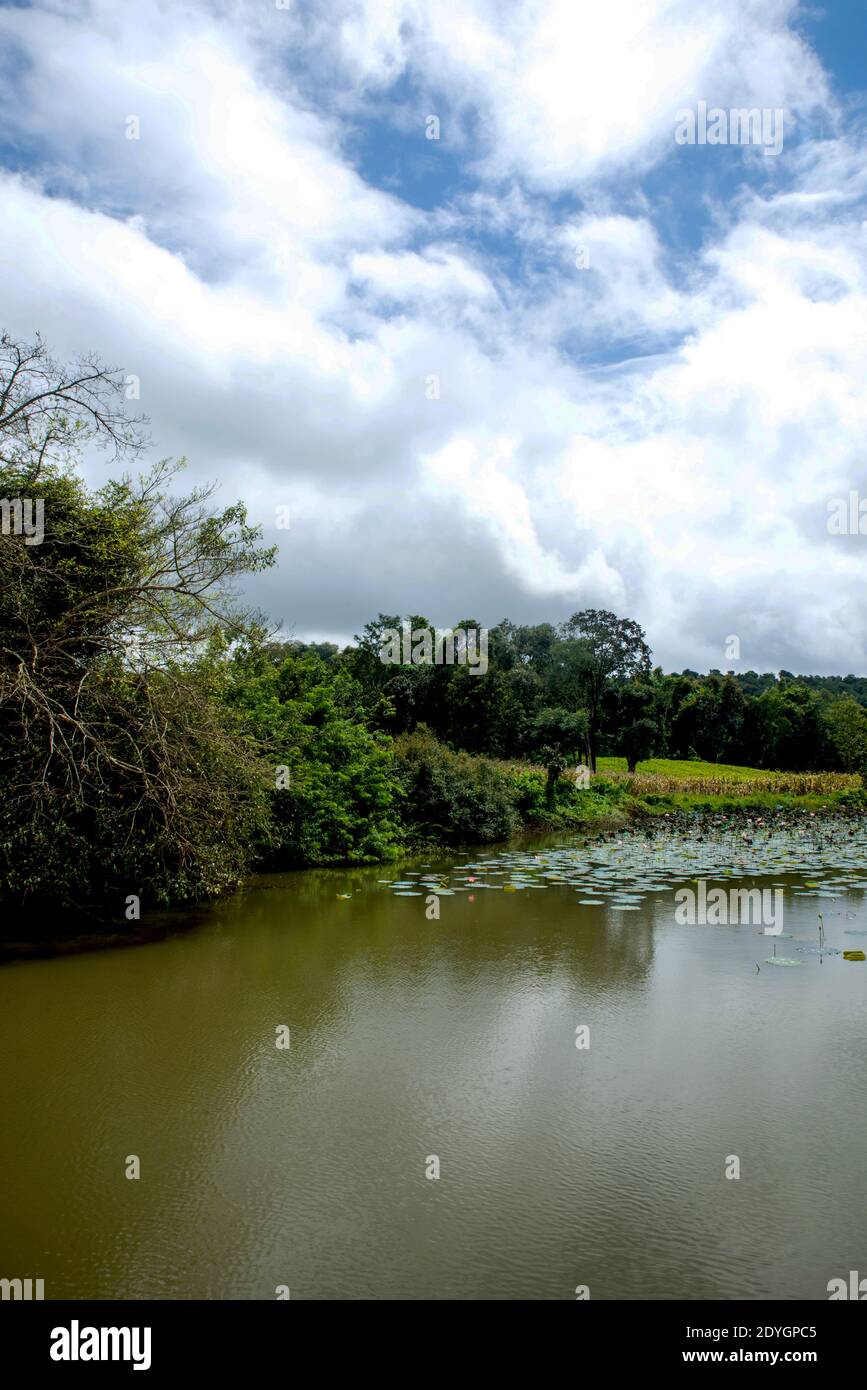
(164, 923)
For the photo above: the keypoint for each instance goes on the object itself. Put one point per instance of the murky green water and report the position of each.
(413, 1037)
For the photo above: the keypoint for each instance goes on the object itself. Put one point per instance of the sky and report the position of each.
(436, 281)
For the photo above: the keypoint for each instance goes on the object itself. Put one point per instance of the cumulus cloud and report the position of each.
(463, 415)
(567, 92)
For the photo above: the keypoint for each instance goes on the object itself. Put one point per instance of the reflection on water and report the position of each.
(456, 1037)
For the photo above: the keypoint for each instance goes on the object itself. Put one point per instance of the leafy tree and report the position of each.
(710, 720)
(847, 729)
(334, 792)
(639, 742)
(452, 797)
(639, 712)
(555, 735)
(786, 730)
(612, 649)
(123, 771)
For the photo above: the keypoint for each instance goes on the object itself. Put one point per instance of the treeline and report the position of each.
(752, 683)
(596, 669)
(157, 743)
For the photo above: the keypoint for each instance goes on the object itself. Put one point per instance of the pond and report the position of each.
(532, 1024)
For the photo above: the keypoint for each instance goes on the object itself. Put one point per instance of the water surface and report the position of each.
(454, 1038)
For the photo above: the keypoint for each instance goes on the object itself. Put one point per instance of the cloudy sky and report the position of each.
(551, 359)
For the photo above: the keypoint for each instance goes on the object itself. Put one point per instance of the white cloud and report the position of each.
(408, 277)
(658, 433)
(566, 91)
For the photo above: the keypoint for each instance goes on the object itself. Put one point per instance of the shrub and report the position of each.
(339, 801)
(450, 796)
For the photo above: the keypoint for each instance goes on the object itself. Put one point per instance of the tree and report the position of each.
(48, 412)
(555, 735)
(710, 719)
(612, 649)
(337, 801)
(847, 728)
(785, 729)
(639, 742)
(123, 771)
(640, 716)
(450, 796)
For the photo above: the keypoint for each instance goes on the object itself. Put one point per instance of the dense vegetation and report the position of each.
(599, 665)
(157, 743)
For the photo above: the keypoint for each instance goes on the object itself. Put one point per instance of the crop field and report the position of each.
(665, 776)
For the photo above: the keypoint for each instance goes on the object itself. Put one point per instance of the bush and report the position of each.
(200, 800)
(337, 802)
(453, 797)
(529, 791)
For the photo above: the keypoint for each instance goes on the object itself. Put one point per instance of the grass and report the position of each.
(674, 777)
(681, 769)
(665, 785)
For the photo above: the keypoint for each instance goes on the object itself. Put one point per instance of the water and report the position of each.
(454, 1038)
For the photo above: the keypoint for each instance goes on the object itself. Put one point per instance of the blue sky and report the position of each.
(648, 358)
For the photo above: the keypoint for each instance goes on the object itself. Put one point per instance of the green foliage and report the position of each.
(341, 797)
(452, 797)
(847, 730)
(165, 802)
(709, 721)
(603, 649)
(603, 802)
(124, 772)
(785, 729)
(555, 735)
